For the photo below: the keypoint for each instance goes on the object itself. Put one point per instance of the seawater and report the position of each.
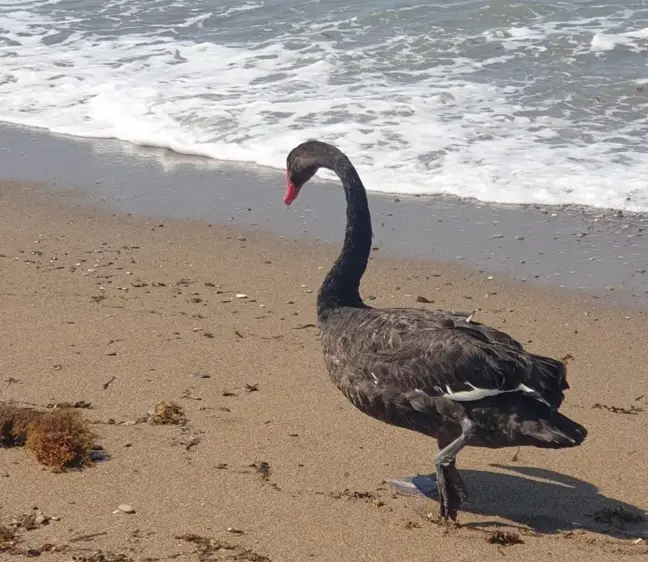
(503, 101)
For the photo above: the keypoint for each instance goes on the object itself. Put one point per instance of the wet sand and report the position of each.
(584, 249)
(122, 310)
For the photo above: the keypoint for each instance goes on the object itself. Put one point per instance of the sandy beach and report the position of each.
(163, 395)
(122, 311)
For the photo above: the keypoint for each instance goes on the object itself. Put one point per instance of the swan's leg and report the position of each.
(453, 476)
(451, 473)
(449, 483)
(426, 485)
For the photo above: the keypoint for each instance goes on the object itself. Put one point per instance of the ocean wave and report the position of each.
(513, 114)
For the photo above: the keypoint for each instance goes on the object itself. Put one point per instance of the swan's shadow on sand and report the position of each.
(545, 501)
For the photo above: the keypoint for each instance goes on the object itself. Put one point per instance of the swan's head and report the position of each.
(301, 165)
(304, 161)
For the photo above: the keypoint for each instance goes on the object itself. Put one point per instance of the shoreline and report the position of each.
(176, 158)
(598, 252)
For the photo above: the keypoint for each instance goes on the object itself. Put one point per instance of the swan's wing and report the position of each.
(434, 355)
(467, 322)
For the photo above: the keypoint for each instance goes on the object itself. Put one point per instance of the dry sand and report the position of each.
(89, 297)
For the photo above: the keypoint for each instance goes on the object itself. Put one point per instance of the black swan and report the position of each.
(437, 373)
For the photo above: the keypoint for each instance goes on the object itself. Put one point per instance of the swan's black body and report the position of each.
(436, 373)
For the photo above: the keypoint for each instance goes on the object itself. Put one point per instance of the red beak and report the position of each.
(291, 190)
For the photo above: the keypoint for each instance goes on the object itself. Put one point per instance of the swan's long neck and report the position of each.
(341, 287)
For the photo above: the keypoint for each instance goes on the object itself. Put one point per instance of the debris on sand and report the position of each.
(100, 556)
(187, 394)
(205, 544)
(33, 520)
(504, 538)
(60, 438)
(304, 326)
(616, 516)
(11, 534)
(109, 382)
(13, 424)
(8, 538)
(63, 405)
(167, 413)
(367, 497)
(632, 410)
(262, 468)
(353, 495)
(215, 549)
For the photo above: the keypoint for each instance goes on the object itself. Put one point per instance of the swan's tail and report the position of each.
(548, 377)
(525, 422)
(556, 432)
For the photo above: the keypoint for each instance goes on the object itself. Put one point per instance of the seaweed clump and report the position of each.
(167, 413)
(13, 424)
(504, 538)
(59, 439)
